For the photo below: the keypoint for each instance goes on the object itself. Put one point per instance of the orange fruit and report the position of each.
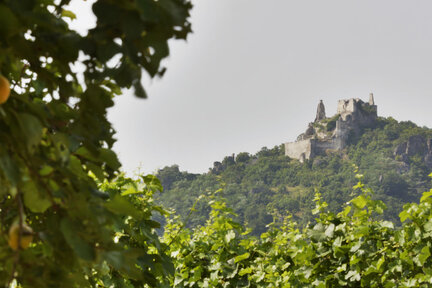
(4, 89)
(26, 236)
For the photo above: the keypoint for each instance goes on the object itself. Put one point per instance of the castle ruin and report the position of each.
(331, 134)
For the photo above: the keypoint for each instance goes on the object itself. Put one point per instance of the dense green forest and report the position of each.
(266, 185)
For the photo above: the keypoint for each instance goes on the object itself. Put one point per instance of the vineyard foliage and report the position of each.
(349, 249)
(352, 248)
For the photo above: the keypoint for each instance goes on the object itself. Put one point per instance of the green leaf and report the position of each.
(68, 14)
(380, 262)
(426, 195)
(31, 129)
(8, 22)
(387, 224)
(34, 199)
(9, 169)
(46, 170)
(424, 255)
(245, 271)
(75, 166)
(110, 158)
(121, 206)
(346, 211)
(317, 233)
(152, 183)
(359, 202)
(428, 226)
(97, 170)
(229, 236)
(130, 189)
(125, 261)
(241, 257)
(196, 274)
(330, 230)
(71, 233)
(103, 155)
(404, 215)
(353, 276)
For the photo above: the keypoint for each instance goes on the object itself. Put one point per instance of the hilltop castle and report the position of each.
(331, 134)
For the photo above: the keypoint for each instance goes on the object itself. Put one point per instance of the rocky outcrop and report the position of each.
(428, 160)
(321, 115)
(307, 134)
(400, 149)
(416, 145)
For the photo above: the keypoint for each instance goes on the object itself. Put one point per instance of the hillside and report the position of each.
(393, 156)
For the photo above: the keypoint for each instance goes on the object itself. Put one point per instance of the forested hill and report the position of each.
(394, 157)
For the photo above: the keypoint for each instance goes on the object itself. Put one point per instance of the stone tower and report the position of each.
(371, 99)
(320, 115)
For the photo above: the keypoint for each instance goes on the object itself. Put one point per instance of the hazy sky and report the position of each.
(254, 71)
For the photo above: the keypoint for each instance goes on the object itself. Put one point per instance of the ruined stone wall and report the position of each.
(307, 149)
(296, 149)
(347, 106)
(342, 129)
(320, 147)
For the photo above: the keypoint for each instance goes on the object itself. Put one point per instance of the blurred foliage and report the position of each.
(57, 142)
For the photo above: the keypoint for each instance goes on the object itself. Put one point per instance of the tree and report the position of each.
(56, 141)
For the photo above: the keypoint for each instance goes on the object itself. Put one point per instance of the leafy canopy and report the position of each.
(56, 140)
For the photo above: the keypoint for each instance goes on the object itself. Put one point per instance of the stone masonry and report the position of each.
(331, 134)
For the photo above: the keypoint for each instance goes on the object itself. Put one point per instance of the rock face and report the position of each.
(321, 115)
(416, 145)
(327, 134)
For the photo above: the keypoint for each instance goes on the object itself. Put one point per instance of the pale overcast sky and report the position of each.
(254, 71)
